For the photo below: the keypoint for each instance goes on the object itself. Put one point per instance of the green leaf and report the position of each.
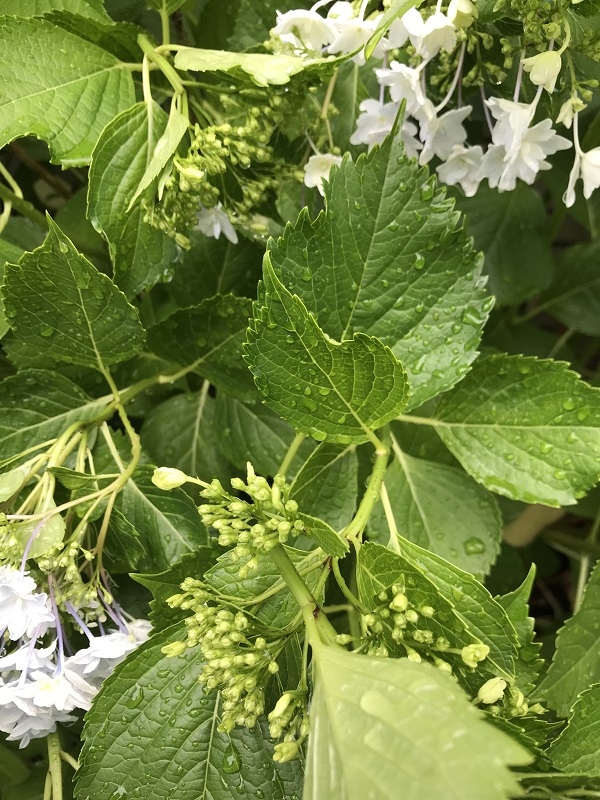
(280, 608)
(92, 9)
(441, 509)
(41, 88)
(516, 605)
(44, 535)
(389, 258)
(168, 6)
(264, 69)
(461, 622)
(118, 38)
(254, 433)
(511, 229)
(37, 406)
(524, 428)
(209, 338)
(327, 484)
(153, 730)
(167, 522)
(574, 297)
(165, 584)
(140, 252)
(183, 432)
(378, 724)
(478, 610)
(166, 146)
(12, 768)
(576, 749)
(339, 392)
(56, 300)
(123, 550)
(576, 663)
(325, 536)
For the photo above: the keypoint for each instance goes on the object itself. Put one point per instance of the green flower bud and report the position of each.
(491, 691)
(168, 478)
(174, 649)
(472, 654)
(399, 602)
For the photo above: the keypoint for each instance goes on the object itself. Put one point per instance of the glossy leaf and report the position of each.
(524, 428)
(327, 484)
(209, 338)
(378, 724)
(37, 406)
(325, 537)
(389, 258)
(93, 9)
(576, 749)
(327, 390)
(441, 509)
(576, 663)
(41, 88)
(574, 297)
(182, 432)
(152, 729)
(141, 253)
(56, 299)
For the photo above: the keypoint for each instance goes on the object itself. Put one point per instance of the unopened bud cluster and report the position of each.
(238, 660)
(253, 526)
(405, 622)
(289, 719)
(502, 700)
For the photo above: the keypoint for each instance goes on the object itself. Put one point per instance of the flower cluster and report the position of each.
(239, 661)
(398, 620)
(506, 701)
(438, 43)
(289, 719)
(252, 526)
(43, 678)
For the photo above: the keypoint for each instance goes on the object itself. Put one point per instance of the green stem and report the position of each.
(303, 596)
(371, 495)
(72, 762)
(23, 206)
(291, 453)
(344, 587)
(585, 564)
(573, 544)
(165, 26)
(161, 62)
(55, 764)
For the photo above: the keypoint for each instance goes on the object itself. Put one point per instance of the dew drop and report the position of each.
(231, 760)
(473, 546)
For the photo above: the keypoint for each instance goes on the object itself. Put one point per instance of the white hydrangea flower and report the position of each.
(512, 120)
(22, 727)
(440, 135)
(28, 657)
(304, 30)
(396, 35)
(374, 123)
(543, 69)
(462, 167)
(111, 649)
(214, 222)
(428, 37)
(317, 169)
(22, 610)
(524, 159)
(404, 84)
(351, 31)
(587, 167)
(64, 691)
(408, 134)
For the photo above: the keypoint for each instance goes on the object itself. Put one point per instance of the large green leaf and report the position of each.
(576, 749)
(141, 253)
(56, 300)
(64, 90)
(510, 228)
(327, 484)
(339, 392)
(153, 730)
(574, 297)
(576, 663)
(37, 405)
(209, 338)
(464, 607)
(252, 432)
(263, 69)
(441, 509)
(182, 433)
(525, 428)
(479, 611)
(380, 726)
(92, 9)
(389, 258)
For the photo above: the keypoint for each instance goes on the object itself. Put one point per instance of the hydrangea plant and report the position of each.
(299, 406)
